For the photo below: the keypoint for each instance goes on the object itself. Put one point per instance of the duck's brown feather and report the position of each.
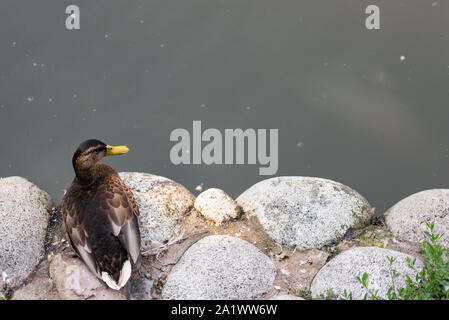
(101, 219)
(132, 200)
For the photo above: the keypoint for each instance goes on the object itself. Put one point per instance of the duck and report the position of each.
(101, 215)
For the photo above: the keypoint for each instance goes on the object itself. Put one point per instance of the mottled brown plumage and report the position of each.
(101, 215)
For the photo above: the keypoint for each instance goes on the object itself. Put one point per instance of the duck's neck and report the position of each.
(87, 175)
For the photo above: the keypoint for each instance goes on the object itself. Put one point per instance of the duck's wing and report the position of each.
(132, 200)
(74, 219)
(121, 209)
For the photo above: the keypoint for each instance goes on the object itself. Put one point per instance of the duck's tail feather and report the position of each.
(125, 274)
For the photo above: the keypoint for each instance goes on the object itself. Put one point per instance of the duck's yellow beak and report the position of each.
(113, 151)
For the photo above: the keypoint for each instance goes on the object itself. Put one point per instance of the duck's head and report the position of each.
(91, 151)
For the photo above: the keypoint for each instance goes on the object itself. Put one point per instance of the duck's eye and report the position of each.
(95, 150)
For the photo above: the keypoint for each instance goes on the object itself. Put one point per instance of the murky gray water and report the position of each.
(346, 106)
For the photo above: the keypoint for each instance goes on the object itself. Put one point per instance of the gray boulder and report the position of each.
(305, 212)
(74, 281)
(24, 215)
(163, 204)
(220, 267)
(407, 219)
(340, 273)
(214, 204)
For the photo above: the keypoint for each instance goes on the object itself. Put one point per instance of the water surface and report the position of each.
(347, 107)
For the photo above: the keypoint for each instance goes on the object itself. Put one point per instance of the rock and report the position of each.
(35, 291)
(407, 247)
(341, 272)
(407, 218)
(295, 271)
(24, 215)
(140, 287)
(220, 267)
(163, 204)
(41, 287)
(305, 212)
(286, 297)
(214, 204)
(74, 281)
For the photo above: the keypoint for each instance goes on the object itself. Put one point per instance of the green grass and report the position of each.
(430, 283)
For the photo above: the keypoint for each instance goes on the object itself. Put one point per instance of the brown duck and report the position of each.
(101, 215)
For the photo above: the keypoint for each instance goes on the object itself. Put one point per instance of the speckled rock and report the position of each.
(341, 272)
(24, 215)
(407, 218)
(305, 212)
(220, 267)
(286, 297)
(214, 204)
(140, 287)
(41, 286)
(163, 204)
(74, 281)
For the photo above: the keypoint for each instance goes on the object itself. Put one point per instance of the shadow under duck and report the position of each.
(101, 215)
